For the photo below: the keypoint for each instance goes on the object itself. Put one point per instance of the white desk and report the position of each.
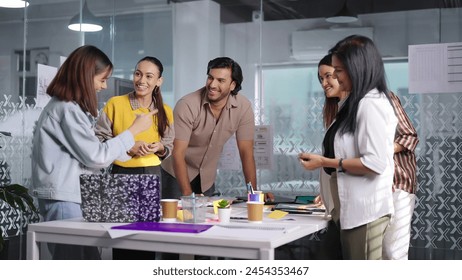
(79, 232)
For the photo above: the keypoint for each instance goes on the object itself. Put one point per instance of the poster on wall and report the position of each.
(435, 68)
(263, 150)
(62, 59)
(45, 74)
(263, 147)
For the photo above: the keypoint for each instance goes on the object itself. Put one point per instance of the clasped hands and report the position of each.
(142, 148)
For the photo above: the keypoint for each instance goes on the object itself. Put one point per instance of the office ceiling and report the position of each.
(233, 11)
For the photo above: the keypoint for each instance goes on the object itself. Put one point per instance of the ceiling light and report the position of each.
(343, 16)
(13, 4)
(89, 23)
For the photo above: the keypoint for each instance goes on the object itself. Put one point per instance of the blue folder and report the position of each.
(169, 227)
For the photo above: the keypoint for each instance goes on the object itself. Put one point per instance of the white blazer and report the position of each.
(324, 191)
(366, 198)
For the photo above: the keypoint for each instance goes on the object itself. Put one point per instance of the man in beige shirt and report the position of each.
(204, 121)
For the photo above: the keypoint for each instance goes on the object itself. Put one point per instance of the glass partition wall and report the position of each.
(278, 49)
(35, 41)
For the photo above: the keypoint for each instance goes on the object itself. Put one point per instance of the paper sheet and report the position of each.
(258, 231)
(435, 68)
(45, 75)
(116, 233)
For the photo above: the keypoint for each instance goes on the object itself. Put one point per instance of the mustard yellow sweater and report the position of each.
(118, 115)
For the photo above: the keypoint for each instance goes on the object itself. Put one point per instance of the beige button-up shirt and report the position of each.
(195, 123)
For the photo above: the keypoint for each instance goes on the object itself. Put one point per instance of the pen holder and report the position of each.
(256, 196)
(194, 209)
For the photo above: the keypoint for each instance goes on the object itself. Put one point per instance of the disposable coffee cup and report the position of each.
(169, 208)
(255, 211)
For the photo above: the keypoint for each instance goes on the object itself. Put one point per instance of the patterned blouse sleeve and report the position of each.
(406, 134)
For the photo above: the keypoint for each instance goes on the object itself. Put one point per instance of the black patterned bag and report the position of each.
(120, 197)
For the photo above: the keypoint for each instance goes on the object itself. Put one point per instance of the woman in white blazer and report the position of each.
(358, 149)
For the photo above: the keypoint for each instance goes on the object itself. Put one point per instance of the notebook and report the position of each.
(169, 227)
(294, 208)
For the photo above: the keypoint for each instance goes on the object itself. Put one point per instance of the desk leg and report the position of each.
(33, 252)
(267, 254)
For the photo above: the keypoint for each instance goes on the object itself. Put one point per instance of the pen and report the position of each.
(238, 218)
(249, 187)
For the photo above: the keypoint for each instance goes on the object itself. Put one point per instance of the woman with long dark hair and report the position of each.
(334, 98)
(154, 144)
(358, 149)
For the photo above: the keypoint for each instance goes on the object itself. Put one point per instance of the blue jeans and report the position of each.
(52, 210)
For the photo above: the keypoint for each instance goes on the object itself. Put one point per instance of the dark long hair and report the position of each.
(364, 65)
(330, 104)
(162, 120)
(236, 71)
(75, 78)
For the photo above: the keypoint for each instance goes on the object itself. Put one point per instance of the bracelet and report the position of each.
(340, 165)
(164, 153)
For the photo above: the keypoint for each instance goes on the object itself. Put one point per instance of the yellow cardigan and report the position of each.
(120, 115)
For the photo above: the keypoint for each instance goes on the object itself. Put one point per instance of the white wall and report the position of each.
(196, 40)
(393, 32)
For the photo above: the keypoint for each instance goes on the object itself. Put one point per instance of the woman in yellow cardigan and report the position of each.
(152, 145)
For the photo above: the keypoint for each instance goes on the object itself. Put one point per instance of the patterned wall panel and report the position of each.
(437, 221)
(13, 222)
(15, 152)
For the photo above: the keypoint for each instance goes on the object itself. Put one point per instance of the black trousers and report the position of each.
(171, 189)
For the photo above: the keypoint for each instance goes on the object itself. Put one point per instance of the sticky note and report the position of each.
(179, 215)
(277, 214)
(215, 206)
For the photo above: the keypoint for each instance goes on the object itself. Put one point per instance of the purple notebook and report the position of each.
(170, 227)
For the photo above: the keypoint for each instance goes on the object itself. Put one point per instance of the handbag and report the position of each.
(120, 198)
